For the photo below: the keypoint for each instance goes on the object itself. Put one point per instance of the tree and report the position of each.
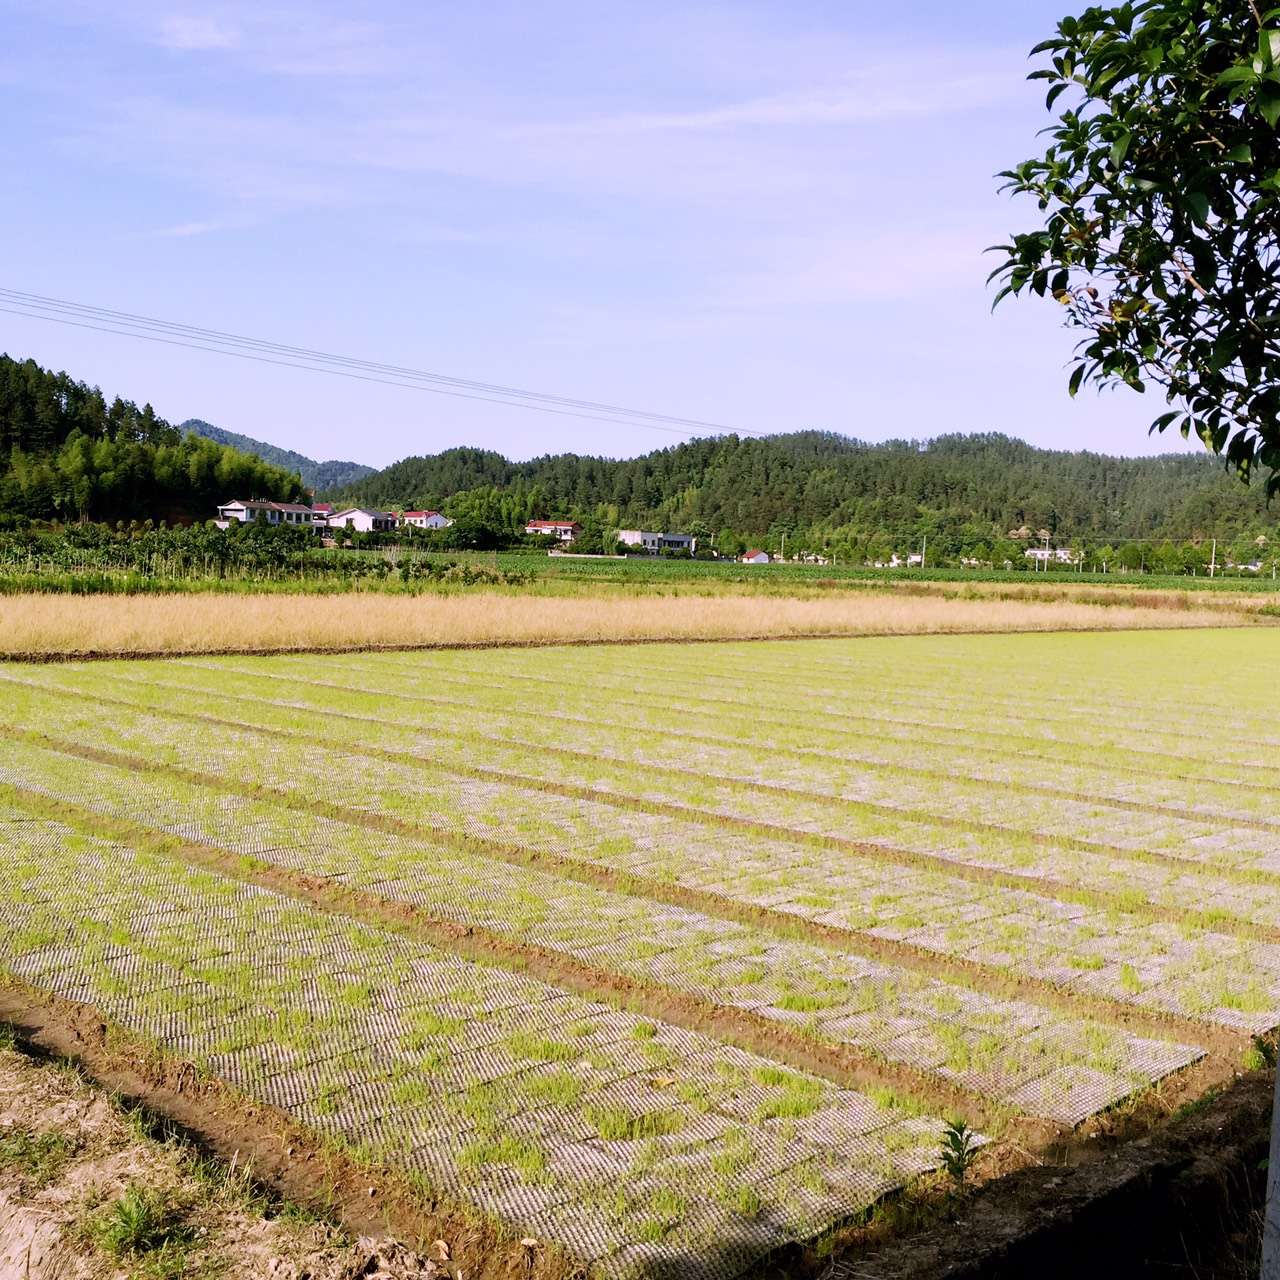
(1161, 227)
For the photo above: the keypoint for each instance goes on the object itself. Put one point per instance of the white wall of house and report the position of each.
(362, 520)
(566, 530)
(654, 542)
(272, 512)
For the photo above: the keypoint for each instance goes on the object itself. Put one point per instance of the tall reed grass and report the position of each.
(35, 625)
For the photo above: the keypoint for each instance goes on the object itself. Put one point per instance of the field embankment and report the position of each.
(90, 1186)
(34, 626)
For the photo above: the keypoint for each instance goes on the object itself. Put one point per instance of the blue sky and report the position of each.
(770, 215)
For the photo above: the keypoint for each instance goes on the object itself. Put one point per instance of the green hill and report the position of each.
(833, 487)
(320, 476)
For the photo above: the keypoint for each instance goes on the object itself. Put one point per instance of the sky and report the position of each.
(769, 215)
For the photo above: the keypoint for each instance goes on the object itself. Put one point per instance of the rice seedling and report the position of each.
(948, 885)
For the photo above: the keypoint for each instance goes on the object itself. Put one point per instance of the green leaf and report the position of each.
(1077, 377)
(1269, 104)
(1236, 75)
(1197, 204)
(1241, 153)
(1120, 148)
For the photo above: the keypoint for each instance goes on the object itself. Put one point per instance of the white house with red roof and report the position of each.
(755, 556)
(565, 530)
(425, 519)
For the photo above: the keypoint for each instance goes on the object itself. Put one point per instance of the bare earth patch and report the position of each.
(88, 1190)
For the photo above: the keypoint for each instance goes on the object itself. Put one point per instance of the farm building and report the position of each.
(565, 530)
(425, 519)
(756, 557)
(272, 512)
(362, 520)
(655, 542)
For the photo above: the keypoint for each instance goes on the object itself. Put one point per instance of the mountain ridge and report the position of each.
(320, 476)
(829, 483)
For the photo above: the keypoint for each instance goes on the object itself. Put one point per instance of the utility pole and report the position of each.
(783, 554)
(1046, 553)
(924, 546)
(1271, 1213)
(1213, 559)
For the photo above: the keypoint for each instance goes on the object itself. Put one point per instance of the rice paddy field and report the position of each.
(673, 956)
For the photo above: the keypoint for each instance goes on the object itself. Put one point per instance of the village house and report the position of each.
(756, 556)
(272, 512)
(362, 520)
(1044, 555)
(655, 542)
(565, 530)
(425, 519)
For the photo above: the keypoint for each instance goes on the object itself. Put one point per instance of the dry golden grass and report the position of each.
(56, 624)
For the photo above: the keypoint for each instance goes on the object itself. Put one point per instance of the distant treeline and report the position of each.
(67, 454)
(825, 491)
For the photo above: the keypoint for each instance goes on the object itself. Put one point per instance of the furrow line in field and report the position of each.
(528, 1100)
(283, 1153)
(955, 867)
(956, 693)
(1100, 693)
(1016, 1054)
(757, 712)
(919, 733)
(842, 1064)
(1156, 1023)
(890, 767)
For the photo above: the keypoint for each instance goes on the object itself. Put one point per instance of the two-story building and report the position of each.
(655, 542)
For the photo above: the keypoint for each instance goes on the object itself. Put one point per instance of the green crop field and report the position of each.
(673, 955)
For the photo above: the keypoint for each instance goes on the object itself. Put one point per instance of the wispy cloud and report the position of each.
(184, 229)
(875, 95)
(193, 31)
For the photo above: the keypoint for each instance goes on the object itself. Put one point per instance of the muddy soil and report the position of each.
(69, 1154)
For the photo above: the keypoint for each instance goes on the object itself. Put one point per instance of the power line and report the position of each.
(264, 351)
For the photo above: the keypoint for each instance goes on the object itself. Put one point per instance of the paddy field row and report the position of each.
(531, 923)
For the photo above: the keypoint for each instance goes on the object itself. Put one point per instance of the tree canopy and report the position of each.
(66, 454)
(1158, 193)
(827, 491)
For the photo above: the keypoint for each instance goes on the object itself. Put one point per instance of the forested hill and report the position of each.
(817, 482)
(321, 476)
(66, 453)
